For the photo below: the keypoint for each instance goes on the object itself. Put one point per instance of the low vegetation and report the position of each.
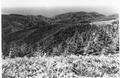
(70, 66)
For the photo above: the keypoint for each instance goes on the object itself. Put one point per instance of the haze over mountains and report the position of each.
(38, 30)
(53, 11)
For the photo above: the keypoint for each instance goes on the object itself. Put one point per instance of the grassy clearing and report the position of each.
(71, 66)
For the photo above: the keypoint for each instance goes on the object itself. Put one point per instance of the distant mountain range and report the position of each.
(30, 29)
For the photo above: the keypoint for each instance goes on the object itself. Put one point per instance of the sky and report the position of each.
(51, 8)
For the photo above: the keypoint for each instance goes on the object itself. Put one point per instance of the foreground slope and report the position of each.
(62, 67)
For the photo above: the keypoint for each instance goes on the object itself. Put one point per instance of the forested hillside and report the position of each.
(78, 30)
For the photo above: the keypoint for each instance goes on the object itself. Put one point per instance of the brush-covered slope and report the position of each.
(22, 34)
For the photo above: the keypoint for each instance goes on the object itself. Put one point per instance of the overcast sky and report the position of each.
(53, 7)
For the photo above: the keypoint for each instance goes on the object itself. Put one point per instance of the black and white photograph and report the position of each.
(59, 39)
